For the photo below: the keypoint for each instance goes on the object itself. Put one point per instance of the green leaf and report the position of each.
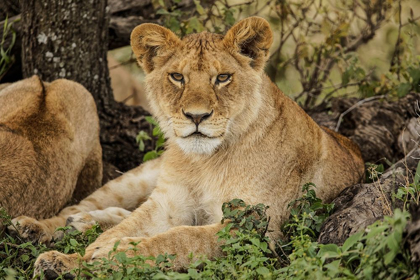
(389, 257)
(345, 78)
(403, 89)
(142, 136)
(351, 241)
(333, 268)
(194, 25)
(393, 241)
(141, 145)
(151, 120)
(156, 131)
(150, 155)
(24, 258)
(229, 18)
(73, 242)
(328, 251)
(373, 231)
(263, 271)
(199, 8)
(160, 142)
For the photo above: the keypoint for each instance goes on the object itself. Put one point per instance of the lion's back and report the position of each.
(47, 133)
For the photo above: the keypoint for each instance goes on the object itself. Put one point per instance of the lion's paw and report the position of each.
(53, 264)
(30, 229)
(81, 221)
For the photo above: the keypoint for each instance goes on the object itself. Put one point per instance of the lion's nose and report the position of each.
(197, 118)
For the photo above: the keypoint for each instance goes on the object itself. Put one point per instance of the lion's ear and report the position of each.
(251, 37)
(151, 40)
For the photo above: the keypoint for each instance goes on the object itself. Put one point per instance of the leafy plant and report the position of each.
(17, 257)
(410, 193)
(373, 171)
(6, 59)
(159, 142)
(74, 241)
(215, 16)
(307, 214)
(377, 253)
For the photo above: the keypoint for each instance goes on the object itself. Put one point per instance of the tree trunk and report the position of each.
(69, 39)
(66, 40)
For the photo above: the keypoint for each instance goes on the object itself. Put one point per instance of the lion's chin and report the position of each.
(199, 144)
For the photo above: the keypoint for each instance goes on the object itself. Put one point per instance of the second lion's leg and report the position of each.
(127, 191)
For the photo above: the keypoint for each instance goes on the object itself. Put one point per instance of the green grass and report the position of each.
(6, 57)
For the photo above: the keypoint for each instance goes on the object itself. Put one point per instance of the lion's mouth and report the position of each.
(197, 134)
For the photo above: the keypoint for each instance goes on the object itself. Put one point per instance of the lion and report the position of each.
(231, 133)
(49, 149)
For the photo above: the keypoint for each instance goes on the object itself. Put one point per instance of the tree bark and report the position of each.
(360, 205)
(379, 127)
(66, 39)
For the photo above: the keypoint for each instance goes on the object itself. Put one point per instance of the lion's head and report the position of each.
(204, 88)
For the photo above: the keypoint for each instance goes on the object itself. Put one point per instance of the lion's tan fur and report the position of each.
(49, 146)
(255, 144)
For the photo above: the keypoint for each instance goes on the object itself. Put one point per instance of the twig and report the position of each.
(396, 54)
(340, 119)
(412, 20)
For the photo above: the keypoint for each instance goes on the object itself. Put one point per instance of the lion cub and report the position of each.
(231, 133)
(49, 150)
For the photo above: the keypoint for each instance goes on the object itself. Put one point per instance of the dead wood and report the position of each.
(360, 205)
(385, 131)
(376, 126)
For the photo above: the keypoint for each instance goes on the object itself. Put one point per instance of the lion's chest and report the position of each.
(210, 187)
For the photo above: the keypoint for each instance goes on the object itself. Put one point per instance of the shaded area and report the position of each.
(376, 126)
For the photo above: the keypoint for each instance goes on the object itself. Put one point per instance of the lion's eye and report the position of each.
(223, 78)
(177, 77)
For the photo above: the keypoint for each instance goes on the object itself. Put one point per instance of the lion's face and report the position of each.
(203, 90)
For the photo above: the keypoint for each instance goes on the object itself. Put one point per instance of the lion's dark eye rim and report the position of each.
(223, 78)
(177, 77)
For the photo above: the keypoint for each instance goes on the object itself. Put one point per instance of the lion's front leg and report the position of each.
(180, 241)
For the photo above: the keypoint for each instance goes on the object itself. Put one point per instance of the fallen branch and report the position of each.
(361, 205)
